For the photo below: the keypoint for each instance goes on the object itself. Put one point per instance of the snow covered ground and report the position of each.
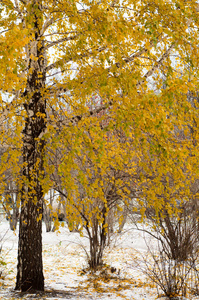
(64, 258)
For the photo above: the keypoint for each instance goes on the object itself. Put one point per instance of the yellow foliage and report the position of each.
(114, 88)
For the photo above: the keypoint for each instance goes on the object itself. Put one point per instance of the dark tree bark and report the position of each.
(30, 267)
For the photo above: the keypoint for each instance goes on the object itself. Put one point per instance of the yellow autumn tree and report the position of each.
(55, 56)
(96, 172)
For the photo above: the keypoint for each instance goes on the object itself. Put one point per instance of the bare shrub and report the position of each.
(2, 259)
(173, 277)
(173, 264)
(177, 233)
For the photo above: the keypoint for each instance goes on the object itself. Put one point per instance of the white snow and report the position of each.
(64, 258)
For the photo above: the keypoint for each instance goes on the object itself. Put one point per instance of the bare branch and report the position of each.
(6, 111)
(63, 60)
(60, 33)
(48, 22)
(51, 44)
(5, 31)
(156, 66)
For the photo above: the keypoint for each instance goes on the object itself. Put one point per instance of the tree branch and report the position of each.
(51, 44)
(63, 60)
(48, 22)
(156, 66)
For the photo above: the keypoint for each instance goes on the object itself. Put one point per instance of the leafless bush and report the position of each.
(173, 277)
(173, 262)
(2, 260)
(177, 234)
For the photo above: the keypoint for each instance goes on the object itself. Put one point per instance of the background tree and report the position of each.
(97, 186)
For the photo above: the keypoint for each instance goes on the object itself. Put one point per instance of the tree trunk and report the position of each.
(13, 221)
(97, 241)
(48, 213)
(123, 222)
(15, 213)
(30, 267)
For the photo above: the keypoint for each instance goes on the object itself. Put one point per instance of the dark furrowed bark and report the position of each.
(30, 266)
